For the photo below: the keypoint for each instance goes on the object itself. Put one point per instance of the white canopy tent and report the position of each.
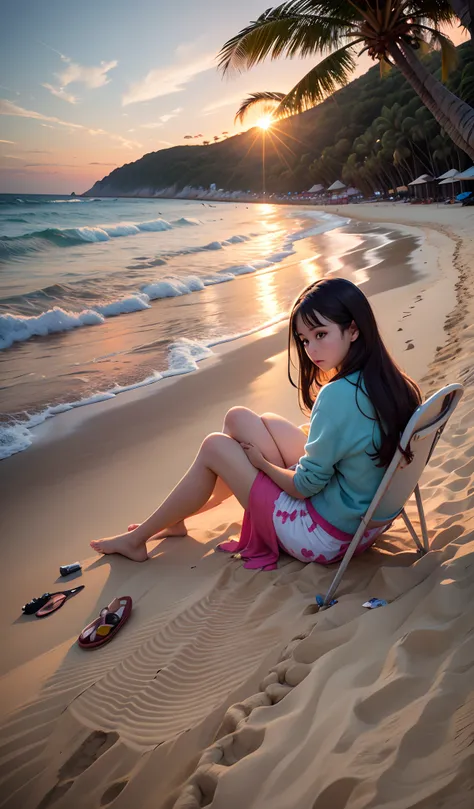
(466, 175)
(447, 175)
(422, 179)
(336, 186)
(316, 189)
(452, 176)
(449, 178)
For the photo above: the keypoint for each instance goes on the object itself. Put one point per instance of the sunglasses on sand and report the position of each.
(49, 602)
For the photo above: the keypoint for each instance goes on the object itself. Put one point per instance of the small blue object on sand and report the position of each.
(320, 601)
(372, 603)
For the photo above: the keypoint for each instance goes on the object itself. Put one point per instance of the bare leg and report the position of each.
(279, 441)
(221, 492)
(219, 455)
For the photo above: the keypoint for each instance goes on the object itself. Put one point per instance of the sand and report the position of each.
(227, 687)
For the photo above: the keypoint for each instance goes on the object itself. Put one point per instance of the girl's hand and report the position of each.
(253, 454)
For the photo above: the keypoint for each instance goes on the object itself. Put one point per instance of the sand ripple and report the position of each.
(245, 697)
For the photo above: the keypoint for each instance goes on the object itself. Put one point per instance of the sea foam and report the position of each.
(17, 328)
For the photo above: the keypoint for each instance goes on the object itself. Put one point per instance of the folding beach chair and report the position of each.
(401, 479)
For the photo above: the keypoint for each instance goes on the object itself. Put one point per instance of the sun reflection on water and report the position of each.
(267, 296)
(311, 268)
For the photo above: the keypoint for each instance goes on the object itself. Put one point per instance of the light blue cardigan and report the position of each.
(336, 471)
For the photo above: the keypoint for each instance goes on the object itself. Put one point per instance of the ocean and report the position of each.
(100, 296)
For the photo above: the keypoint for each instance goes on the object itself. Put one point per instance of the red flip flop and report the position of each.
(102, 629)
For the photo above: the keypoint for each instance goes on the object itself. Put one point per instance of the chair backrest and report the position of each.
(421, 434)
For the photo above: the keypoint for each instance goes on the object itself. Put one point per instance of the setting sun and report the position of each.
(265, 122)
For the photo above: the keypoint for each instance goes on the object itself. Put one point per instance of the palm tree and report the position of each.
(391, 31)
(464, 9)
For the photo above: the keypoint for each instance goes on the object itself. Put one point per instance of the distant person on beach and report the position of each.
(305, 488)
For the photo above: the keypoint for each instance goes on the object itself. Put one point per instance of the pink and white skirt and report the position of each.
(274, 520)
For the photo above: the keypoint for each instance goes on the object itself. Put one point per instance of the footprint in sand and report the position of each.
(96, 744)
(409, 346)
(112, 792)
(400, 329)
(55, 794)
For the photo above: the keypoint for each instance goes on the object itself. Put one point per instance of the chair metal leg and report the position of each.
(421, 512)
(342, 567)
(412, 531)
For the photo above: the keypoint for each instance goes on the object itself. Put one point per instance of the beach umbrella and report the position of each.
(466, 175)
(457, 177)
(423, 179)
(336, 186)
(449, 180)
(448, 174)
(316, 188)
(464, 195)
(449, 177)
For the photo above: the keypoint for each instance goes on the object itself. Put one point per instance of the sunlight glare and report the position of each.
(265, 122)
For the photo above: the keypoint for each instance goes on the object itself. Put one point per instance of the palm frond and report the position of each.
(282, 31)
(344, 9)
(254, 99)
(449, 54)
(424, 47)
(322, 80)
(438, 12)
(385, 68)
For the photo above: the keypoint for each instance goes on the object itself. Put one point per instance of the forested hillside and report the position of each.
(374, 134)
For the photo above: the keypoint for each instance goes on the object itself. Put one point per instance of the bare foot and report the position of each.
(125, 544)
(177, 530)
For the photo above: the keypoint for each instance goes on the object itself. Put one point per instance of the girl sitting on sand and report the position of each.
(302, 491)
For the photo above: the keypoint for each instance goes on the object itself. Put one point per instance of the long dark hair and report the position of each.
(392, 393)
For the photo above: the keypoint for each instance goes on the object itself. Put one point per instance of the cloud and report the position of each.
(8, 108)
(90, 76)
(167, 80)
(60, 92)
(170, 115)
(55, 165)
(7, 141)
(74, 73)
(62, 165)
(162, 120)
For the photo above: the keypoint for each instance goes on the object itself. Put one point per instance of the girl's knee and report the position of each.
(213, 444)
(236, 416)
(269, 416)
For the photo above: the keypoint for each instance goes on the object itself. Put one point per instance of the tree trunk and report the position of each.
(453, 115)
(464, 9)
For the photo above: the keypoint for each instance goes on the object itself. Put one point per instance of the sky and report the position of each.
(86, 87)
